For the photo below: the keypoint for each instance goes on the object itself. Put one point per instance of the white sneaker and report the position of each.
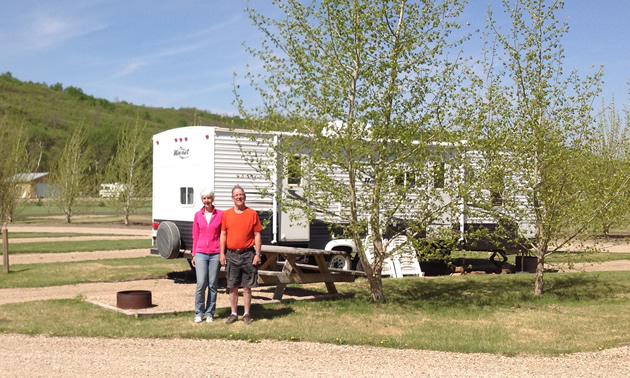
(209, 319)
(197, 319)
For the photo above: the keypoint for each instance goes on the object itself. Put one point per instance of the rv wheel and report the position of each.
(339, 262)
(168, 240)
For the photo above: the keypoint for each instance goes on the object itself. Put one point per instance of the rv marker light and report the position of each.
(186, 139)
(207, 137)
(157, 142)
(155, 225)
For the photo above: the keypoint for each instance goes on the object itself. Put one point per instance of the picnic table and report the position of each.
(286, 270)
(280, 268)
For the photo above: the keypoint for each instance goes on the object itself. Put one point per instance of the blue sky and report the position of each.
(183, 53)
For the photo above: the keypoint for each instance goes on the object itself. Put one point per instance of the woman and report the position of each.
(205, 252)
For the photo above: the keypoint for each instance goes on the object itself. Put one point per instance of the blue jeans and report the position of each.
(207, 268)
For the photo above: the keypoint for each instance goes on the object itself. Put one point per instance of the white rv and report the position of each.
(188, 159)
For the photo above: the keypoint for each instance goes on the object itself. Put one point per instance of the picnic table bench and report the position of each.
(281, 272)
(280, 268)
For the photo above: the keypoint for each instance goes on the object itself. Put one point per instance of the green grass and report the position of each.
(560, 257)
(143, 219)
(78, 246)
(29, 235)
(83, 207)
(88, 210)
(490, 313)
(76, 272)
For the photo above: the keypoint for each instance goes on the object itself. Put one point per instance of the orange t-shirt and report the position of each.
(240, 228)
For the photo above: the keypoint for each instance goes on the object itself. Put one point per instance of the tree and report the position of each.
(611, 152)
(68, 177)
(14, 163)
(535, 126)
(130, 169)
(366, 87)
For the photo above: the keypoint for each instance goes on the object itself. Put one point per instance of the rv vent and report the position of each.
(168, 240)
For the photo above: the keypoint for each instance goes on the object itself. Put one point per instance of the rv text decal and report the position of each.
(182, 153)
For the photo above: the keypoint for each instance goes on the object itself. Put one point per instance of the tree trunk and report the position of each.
(540, 266)
(376, 289)
(374, 279)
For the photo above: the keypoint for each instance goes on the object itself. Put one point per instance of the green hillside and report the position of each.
(49, 113)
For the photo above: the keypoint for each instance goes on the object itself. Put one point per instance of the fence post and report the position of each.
(5, 247)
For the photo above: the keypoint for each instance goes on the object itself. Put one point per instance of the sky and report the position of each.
(183, 53)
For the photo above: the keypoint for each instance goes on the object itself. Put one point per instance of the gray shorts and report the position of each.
(239, 270)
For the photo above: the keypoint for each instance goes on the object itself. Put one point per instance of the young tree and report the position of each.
(535, 126)
(68, 177)
(366, 87)
(611, 152)
(130, 169)
(14, 163)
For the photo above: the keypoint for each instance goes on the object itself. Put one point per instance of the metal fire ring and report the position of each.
(133, 299)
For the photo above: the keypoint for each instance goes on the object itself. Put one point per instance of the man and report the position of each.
(240, 249)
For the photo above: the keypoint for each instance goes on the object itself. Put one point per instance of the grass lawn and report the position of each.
(473, 313)
(559, 257)
(76, 272)
(82, 207)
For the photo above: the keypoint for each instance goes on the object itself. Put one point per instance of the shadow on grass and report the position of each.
(259, 312)
(513, 290)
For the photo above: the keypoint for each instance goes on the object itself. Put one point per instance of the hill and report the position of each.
(49, 113)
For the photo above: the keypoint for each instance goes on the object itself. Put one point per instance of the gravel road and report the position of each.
(42, 356)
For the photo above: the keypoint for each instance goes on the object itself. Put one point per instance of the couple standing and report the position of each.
(230, 238)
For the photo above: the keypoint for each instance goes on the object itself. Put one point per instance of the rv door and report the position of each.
(294, 226)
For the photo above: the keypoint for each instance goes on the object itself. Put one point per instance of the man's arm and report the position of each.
(257, 246)
(257, 241)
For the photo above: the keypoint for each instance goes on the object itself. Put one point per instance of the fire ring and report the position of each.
(133, 299)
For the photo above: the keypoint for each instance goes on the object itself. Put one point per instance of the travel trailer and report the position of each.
(189, 159)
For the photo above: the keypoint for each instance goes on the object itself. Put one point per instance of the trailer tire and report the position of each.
(168, 240)
(340, 262)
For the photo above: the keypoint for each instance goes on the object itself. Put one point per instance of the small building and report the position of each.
(31, 185)
(111, 190)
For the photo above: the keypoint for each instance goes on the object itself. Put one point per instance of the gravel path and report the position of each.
(41, 356)
(76, 238)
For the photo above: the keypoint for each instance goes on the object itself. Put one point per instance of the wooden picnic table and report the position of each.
(281, 272)
(286, 270)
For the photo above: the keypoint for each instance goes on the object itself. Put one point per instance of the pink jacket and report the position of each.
(206, 236)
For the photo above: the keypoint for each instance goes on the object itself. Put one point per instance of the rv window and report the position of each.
(186, 196)
(294, 170)
(406, 179)
(411, 179)
(438, 175)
